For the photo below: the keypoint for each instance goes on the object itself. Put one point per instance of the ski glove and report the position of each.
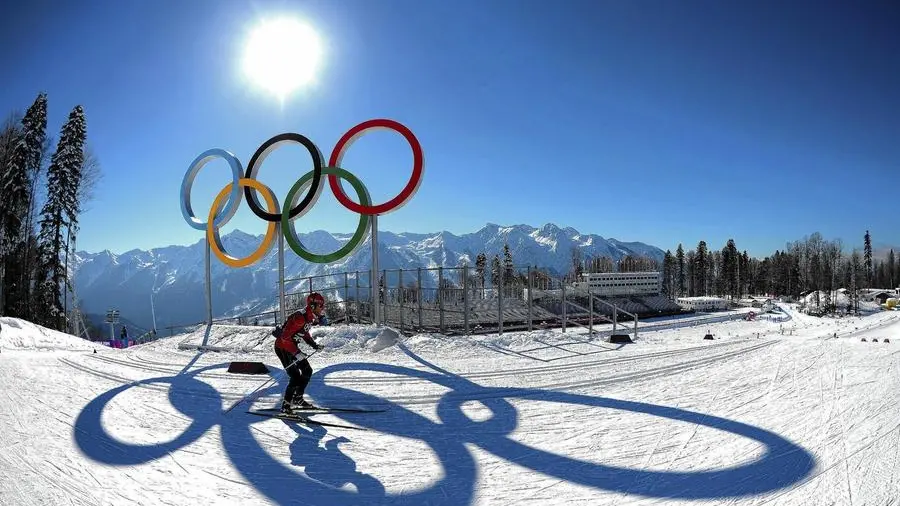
(319, 347)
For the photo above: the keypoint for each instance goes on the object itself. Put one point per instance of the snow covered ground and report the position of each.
(773, 411)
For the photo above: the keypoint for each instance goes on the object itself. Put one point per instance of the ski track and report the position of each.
(838, 398)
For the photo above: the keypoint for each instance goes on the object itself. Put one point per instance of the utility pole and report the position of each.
(112, 318)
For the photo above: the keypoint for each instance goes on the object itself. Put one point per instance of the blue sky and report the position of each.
(653, 121)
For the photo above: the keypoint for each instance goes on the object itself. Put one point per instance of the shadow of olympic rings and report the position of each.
(782, 464)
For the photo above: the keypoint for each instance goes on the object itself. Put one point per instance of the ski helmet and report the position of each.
(315, 299)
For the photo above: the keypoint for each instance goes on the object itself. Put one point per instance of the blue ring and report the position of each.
(234, 199)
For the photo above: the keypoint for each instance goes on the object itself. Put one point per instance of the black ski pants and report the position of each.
(299, 373)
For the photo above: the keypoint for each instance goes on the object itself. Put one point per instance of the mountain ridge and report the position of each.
(174, 276)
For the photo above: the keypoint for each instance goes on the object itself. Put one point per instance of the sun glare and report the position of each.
(282, 55)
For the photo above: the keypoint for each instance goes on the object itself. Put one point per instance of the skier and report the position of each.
(295, 361)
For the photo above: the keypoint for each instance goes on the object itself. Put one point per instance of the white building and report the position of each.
(702, 303)
(617, 284)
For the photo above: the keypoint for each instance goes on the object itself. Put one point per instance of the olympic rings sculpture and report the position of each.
(229, 198)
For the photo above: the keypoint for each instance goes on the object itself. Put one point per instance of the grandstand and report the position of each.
(635, 292)
(703, 303)
(454, 300)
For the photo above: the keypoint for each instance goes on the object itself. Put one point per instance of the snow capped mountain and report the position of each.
(174, 275)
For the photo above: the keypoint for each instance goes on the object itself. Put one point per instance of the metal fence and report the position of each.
(456, 301)
(461, 300)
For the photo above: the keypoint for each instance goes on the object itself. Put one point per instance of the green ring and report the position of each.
(362, 230)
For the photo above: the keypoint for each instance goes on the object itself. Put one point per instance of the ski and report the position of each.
(326, 409)
(301, 419)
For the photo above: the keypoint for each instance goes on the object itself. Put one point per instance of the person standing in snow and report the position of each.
(295, 361)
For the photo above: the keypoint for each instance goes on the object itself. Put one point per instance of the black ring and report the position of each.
(261, 153)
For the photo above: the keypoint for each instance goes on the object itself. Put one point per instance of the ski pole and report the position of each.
(298, 360)
(281, 373)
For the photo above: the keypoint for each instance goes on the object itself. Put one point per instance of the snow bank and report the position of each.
(22, 334)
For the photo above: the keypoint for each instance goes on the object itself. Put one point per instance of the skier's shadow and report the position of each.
(323, 461)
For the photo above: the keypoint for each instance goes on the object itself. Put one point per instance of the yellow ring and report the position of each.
(212, 231)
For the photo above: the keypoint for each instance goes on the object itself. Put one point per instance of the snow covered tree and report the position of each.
(17, 180)
(9, 137)
(16, 183)
(681, 287)
(59, 216)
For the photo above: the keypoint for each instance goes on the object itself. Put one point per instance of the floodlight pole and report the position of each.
(281, 305)
(208, 285)
(375, 281)
(152, 311)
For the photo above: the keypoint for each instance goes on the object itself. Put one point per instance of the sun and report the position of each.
(282, 55)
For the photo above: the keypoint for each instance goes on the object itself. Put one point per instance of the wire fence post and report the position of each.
(499, 290)
(347, 294)
(419, 293)
(440, 295)
(382, 297)
(400, 296)
(563, 286)
(358, 302)
(530, 300)
(615, 318)
(590, 314)
(465, 275)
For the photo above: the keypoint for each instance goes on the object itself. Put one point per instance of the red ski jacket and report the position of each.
(297, 323)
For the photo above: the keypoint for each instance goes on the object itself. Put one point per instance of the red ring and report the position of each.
(414, 179)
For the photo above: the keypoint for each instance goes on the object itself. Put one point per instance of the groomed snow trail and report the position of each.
(649, 423)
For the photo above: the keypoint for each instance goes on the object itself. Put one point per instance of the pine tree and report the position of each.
(892, 269)
(59, 215)
(867, 259)
(16, 185)
(715, 269)
(668, 273)
(853, 293)
(25, 156)
(679, 257)
(9, 137)
(577, 263)
(690, 262)
(702, 260)
(734, 270)
(763, 281)
(480, 264)
(509, 270)
(496, 272)
(745, 273)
